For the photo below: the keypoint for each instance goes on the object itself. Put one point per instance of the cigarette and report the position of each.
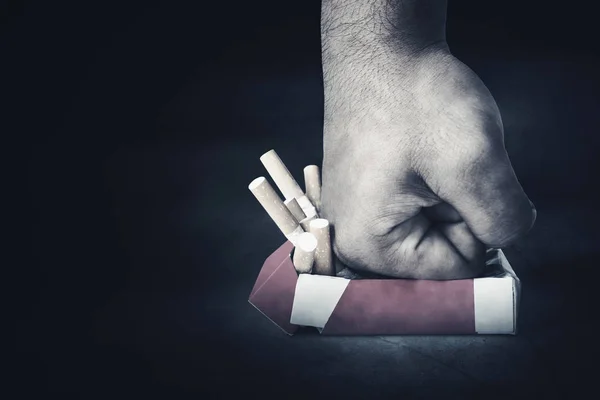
(286, 182)
(312, 183)
(304, 253)
(279, 213)
(308, 207)
(295, 209)
(323, 257)
(281, 175)
(305, 223)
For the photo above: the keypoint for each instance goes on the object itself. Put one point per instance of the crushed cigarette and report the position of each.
(281, 175)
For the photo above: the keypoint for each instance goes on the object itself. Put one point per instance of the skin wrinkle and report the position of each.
(398, 251)
(405, 250)
(384, 222)
(466, 261)
(459, 230)
(430, 226)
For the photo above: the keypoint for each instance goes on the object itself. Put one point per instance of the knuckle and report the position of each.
(466, 157)
(474, 153)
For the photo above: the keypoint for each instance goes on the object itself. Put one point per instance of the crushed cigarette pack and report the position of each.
(340, 306)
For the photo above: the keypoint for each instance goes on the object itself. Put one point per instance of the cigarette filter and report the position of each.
(304, 253)
(323, 257)
(283, 218)
(286, 182)
(281, 176)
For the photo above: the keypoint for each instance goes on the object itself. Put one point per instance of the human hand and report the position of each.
(416, 181)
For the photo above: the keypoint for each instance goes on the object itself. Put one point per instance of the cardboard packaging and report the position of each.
(341, 306)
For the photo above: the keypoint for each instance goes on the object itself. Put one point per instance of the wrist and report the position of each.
(400, 27)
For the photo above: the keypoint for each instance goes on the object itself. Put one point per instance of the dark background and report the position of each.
(139, 124)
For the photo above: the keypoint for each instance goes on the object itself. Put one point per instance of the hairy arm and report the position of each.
(404, 26)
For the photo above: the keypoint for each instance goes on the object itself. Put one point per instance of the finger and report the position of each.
(464, 242)
(419, 249)
(442, 212)
(486, 193)
(449, 222)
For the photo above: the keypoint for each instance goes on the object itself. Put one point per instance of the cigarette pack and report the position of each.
(336, 305)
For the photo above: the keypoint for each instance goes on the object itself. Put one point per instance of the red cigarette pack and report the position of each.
(341, 306)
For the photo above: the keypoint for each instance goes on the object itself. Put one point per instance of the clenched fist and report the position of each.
(416, 179)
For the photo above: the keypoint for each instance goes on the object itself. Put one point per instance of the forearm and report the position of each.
(405, 26)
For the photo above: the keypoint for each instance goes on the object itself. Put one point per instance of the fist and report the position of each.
(416, 181)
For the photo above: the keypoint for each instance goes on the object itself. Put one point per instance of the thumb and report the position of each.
(485, 191)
